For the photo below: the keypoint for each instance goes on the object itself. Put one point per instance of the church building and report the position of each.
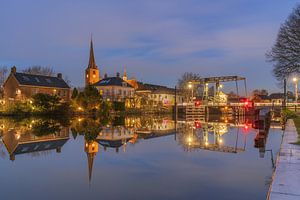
(92, 74)
(111, 88)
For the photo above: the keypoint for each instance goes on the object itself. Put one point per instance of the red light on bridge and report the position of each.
(197, 103)
(197, 125)
(246, 128)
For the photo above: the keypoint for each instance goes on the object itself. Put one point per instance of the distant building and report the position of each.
(114, 88)
(158, 95)
(22, 86)
(279, 97)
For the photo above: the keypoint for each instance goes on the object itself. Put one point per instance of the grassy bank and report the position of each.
(288, 114)
(297, 124)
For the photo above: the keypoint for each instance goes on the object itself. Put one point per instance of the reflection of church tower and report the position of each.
(91, 149)
(92, 74)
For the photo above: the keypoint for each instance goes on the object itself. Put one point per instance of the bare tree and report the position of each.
(46, 71)
(39, 70)
(285, 54)
(183, 81)
(257, 92)
(3, 74)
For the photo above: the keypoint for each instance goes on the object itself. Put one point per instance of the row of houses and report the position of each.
(22, 86)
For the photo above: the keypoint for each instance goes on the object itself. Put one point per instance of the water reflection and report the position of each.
(40, 137)
(35, 137)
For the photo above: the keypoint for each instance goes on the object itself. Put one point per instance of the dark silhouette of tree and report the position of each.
(42, 70)
(89, 99)
(186, 78)
(285, 54)
(74, 93)
(39, 70)
(3, 74)
(257, 92)
(183, 81)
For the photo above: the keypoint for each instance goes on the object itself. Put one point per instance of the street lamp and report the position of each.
(295, 80)
(190, 86)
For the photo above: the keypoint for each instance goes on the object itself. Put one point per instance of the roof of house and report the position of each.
(158, 89)
(279, 96)
(263, 97)
(112, 143)
(112, 81)
(39, 146)
(40, 80)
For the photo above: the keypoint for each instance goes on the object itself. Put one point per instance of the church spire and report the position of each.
(92, 62)
(91, 149)
(125, 75)
(90, 157)
(92, 74)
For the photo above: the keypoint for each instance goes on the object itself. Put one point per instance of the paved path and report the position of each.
(286, 179)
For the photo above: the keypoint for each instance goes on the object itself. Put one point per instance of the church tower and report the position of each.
(92, 74)
(125, 75)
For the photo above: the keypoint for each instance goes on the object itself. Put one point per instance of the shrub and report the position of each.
(288, 114)
(119, 106)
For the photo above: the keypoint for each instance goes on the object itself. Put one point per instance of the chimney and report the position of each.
(13, 70)
(118, 74)
(59, 75)
(105, 75)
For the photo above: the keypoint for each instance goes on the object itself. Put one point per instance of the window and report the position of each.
(120, 92)
(124, 92)
(25, 78)
(37, 80)
(48, 80)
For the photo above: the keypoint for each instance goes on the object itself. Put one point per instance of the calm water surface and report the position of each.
(134, 158)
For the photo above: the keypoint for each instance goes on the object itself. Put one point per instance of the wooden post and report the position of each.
(285, 93)
(175, 104)
(175, 107)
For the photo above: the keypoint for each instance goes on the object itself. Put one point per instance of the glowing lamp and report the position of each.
(197, 125)
(197, 103)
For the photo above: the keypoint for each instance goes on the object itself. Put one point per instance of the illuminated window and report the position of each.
(87, 75)
(18, 91)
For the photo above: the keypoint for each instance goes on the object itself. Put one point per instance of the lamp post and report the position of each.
(295, 80)
(190, 86)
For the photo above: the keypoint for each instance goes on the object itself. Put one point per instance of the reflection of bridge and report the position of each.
(208, 136)
(216, 147)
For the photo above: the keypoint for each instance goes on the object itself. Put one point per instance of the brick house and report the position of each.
(22, 86)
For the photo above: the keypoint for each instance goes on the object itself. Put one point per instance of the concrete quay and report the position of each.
(286, 178)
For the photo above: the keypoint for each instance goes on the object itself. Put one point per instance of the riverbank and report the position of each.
(286, 178)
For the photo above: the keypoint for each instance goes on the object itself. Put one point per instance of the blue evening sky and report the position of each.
(155, 40)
